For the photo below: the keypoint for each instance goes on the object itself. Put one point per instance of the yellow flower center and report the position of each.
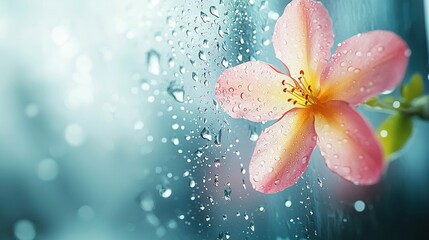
(300, 91)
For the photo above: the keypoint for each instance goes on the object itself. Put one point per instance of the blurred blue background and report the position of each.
(110, 130)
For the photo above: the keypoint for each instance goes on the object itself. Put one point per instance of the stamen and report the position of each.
(303, 94)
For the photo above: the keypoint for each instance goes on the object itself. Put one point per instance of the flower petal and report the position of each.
(282, 152)
(348, 144)
(254, 91)
(363, 66)
(303, 38)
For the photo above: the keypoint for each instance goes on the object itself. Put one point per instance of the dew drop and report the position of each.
(347, 170)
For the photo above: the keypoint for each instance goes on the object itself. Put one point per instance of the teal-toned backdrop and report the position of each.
(109, 128)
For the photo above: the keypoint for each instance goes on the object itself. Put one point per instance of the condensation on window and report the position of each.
(110, 128)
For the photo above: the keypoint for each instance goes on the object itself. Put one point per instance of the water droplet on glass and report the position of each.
(225, 62)
(243, 170)
(217, 162)
(359, 206)
(47, 169)
(266, 42)
(165, 192)
(227, 193)
(319, 181)
(146, 202)
(218, 138)
(216, 180)
(407, 52)
(202, 56)
(74, 135)
(171, 22)
(383, 133)
(144, 85)
(152, 61)
(199, 153)
(253, 135)
(24, 230)
(214, 11)
(175, 141)
(192, 183)
(175, 89)
(396, 104)
(205, 133)
(252, 226)
(204, 17)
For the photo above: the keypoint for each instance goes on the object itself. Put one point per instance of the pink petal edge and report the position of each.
(363, 66)
(348, 144)
(282, 152)
(254, 91)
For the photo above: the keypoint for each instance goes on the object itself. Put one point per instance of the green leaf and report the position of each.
(414, 88)
(372, 102)
(393, 133)
(389, 100)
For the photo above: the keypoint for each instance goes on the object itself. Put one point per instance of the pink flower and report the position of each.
(314, 101)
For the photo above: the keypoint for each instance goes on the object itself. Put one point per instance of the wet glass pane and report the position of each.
(111, 129)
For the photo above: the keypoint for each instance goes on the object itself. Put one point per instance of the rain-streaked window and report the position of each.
(122, 120)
